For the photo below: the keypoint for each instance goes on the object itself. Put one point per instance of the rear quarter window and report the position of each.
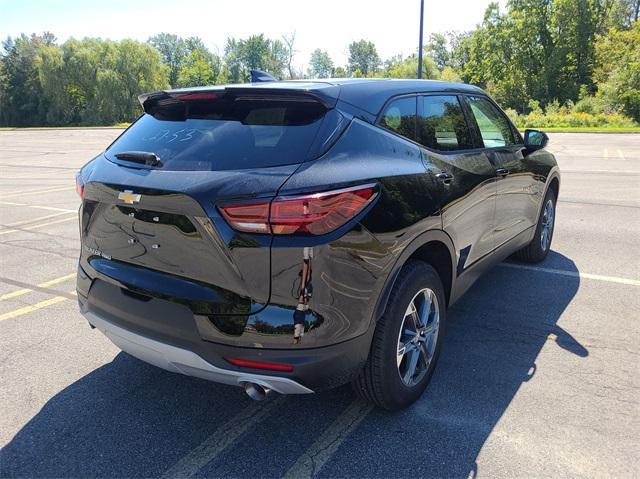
(400, 116)
(226, 134)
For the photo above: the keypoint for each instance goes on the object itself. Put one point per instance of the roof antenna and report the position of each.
(258, 76)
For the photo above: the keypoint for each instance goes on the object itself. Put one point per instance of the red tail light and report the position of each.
(319, 213)
(260, 365)
(79, 186)
(252, 218)
(314, 214)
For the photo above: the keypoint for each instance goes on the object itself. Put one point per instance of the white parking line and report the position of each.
(34, 220)
(312, 460)
(222, 438)
(574, 274)
(40, 225)
(36, 192)
(27, 205)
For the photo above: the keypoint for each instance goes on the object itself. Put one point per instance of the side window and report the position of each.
(494, 126)
(400, 116)
(442, 125)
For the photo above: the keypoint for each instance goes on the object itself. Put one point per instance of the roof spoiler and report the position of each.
(324, 93)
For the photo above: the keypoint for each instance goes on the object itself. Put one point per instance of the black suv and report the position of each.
(295, 236)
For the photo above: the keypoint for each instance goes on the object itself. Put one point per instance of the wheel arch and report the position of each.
(552, 183)
(434, 247)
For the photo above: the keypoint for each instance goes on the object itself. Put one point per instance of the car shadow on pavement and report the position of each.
(127, 418)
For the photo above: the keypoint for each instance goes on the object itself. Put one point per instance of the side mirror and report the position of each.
(535, 139)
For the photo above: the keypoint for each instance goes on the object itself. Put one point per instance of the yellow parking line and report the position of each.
(606, 154)
(33, 307)
(46, 284)
(33, 227)
(620, 154)
(35, 220)
(36, 192)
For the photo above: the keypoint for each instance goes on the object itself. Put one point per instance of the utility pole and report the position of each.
(420, 44)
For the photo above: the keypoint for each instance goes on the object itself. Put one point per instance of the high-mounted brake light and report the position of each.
(260, 365)
(194, 96)
(79, 186)
(314, 214)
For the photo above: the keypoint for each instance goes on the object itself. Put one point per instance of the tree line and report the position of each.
(580, 55)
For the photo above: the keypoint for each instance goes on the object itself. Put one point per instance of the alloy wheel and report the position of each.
(547, 225)
(418, 336)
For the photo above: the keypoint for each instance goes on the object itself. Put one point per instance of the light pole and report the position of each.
(420, 44)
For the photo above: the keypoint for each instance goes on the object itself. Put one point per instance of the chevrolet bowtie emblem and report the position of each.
(129, 197)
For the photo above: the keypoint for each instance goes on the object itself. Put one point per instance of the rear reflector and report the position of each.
(314, 214)
(79, 186)
(260, 365)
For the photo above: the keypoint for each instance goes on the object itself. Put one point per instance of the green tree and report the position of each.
(197, 70)
(363, 56)
(3, 93)
(174, 52)
(401, 67)
(618, 14)
(24, 101)
(256, 52)
(124, 70)
(290, 52)
(573, 26)
(68, 75)
(277, 58)
(437, 49)
(540, 49)
(200, 67)
(340, 72)
(449, 74)
(320, 64)
(460, 46)
(618, 69)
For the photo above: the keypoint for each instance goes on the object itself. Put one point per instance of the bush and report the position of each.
(574, 119)
(513, 115)
(589, 104)
(587, 112)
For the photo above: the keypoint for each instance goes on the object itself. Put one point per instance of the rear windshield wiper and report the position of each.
(145, 157)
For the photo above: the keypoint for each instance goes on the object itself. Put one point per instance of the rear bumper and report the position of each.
(166, 335)
(186, 362)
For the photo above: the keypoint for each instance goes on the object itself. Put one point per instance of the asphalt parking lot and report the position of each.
(539, 373)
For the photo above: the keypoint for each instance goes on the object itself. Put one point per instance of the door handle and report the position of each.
(502, 172)
(445, 177)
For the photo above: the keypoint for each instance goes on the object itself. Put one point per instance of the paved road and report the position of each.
(538, 376)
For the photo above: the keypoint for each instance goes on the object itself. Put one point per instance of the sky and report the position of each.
(328, 24)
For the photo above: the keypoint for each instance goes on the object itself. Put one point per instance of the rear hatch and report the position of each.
(149, 222)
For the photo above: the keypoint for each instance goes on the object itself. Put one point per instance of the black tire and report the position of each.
(379, 381)
(535, 252)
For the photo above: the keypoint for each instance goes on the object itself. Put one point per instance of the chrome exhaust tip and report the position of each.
(255, 391)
